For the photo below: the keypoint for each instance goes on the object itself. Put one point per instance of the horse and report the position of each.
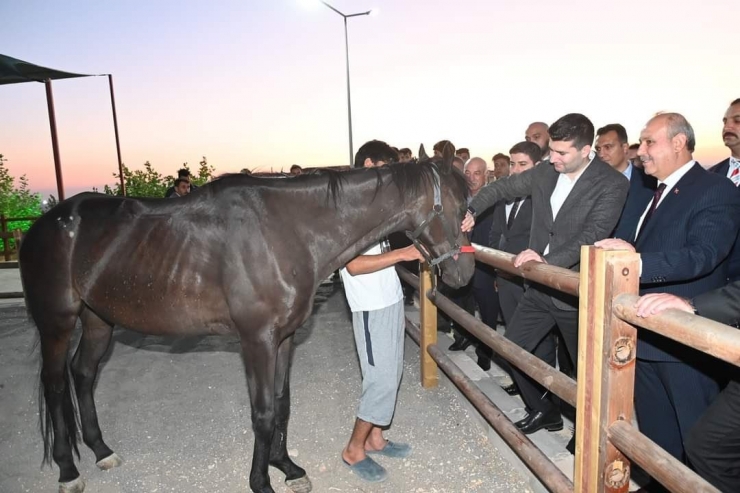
(240, 255)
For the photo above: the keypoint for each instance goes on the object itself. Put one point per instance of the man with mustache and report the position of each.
(683, 238)
(730, 168)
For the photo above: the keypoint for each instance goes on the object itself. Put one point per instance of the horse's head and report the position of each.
(437, 224)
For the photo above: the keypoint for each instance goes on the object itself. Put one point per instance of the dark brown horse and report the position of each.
(240, 255)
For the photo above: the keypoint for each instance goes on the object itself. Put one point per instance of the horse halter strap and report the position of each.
(436, 211)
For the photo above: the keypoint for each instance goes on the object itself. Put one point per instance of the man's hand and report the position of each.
(654, 303)
(526, 256)
(614, 244)
(410, 253)
(468, 223)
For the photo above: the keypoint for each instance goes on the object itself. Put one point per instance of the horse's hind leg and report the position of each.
(59, 424)
(96, 336)
(295, 476)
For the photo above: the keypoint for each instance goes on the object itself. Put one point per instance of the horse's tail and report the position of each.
(70, 415)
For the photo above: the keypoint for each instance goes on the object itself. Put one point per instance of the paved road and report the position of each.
(177, 411)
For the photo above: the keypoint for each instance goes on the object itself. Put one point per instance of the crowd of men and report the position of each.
(567, 185)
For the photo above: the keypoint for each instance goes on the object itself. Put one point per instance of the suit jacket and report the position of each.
(721, 305)
(516, 239)
(685, 246)
(733, 270)
(588, 214)
(640, 194)
(485, 275)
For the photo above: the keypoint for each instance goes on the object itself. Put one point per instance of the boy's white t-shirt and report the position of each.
(373, 291)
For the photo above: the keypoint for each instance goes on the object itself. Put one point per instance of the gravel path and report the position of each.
(177, 412)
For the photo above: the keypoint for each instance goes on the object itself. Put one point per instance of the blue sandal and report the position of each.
(368, 470)
(393, 450)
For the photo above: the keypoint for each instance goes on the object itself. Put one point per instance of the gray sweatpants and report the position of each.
(379, 336)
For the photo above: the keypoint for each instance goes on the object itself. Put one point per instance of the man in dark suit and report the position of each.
(612, 147)
(730, 168)
(576, 200)
(713, 444)
(508, 230)
(683, 237)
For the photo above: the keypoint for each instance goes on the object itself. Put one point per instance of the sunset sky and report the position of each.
(261, 84)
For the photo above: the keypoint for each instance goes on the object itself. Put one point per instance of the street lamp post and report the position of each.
(346, 47)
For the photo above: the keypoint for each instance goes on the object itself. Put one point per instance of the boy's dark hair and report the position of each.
(376, 150)
(618, 129)
(573, 127)
(181, 180)
(529, 148)
(183, 173)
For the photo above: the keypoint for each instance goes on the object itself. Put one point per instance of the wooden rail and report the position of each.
(607, 288)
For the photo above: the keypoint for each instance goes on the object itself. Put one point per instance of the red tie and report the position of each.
(656, 198)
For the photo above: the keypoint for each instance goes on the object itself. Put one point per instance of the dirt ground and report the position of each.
(177, 412)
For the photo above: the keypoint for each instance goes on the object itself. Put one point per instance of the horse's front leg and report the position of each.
(295, 476)
(260, 357)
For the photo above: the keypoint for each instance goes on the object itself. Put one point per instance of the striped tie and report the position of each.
(735, 171)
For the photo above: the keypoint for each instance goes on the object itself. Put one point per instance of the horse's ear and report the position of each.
(448, 153)
(422, 153)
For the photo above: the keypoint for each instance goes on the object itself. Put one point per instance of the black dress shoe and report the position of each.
(460, 345)
(484, 363)
(511, 389)
(551, 421)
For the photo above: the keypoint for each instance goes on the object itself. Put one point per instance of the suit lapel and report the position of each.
(549, 188)
(584, 183)
(670, 202)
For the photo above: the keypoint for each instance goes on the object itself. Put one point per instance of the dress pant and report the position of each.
(486, 297)
(530, 325)
(713, 445)
(670, 397)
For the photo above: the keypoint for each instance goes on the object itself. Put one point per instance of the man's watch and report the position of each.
(471, 211)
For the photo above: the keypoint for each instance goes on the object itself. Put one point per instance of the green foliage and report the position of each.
(16, 200)
(150, 183)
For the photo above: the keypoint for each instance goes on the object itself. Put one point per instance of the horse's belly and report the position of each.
(175, 316)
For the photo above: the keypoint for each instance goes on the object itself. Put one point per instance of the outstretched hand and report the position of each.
(468, 222)
(654, 303)
(409, 253)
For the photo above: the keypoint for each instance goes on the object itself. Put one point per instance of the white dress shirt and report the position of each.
(670, 183)
(563, 188)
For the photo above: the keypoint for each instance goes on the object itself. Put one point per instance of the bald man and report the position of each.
(483, 289)
(539, 133)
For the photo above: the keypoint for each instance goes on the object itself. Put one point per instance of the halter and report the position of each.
(437, 210)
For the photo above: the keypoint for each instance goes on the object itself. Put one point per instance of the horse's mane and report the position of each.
(410, 178)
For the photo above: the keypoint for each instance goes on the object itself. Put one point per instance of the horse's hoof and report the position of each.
(300, 485)
(113, 460)
(74, 486)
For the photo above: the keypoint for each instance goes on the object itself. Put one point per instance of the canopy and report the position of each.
(14, 71)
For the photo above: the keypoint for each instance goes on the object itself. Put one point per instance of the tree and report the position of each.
(16, 200)
(150, 183)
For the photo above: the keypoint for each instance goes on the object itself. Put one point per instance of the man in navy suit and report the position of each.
(612, 147)
(684, 237)
(730, 168)
(713, 445)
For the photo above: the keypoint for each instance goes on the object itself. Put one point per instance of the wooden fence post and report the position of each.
(606, 369)
(428, 313)
(3, 231)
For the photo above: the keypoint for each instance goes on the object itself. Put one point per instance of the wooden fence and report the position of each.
(7, 234)
(606, 442)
